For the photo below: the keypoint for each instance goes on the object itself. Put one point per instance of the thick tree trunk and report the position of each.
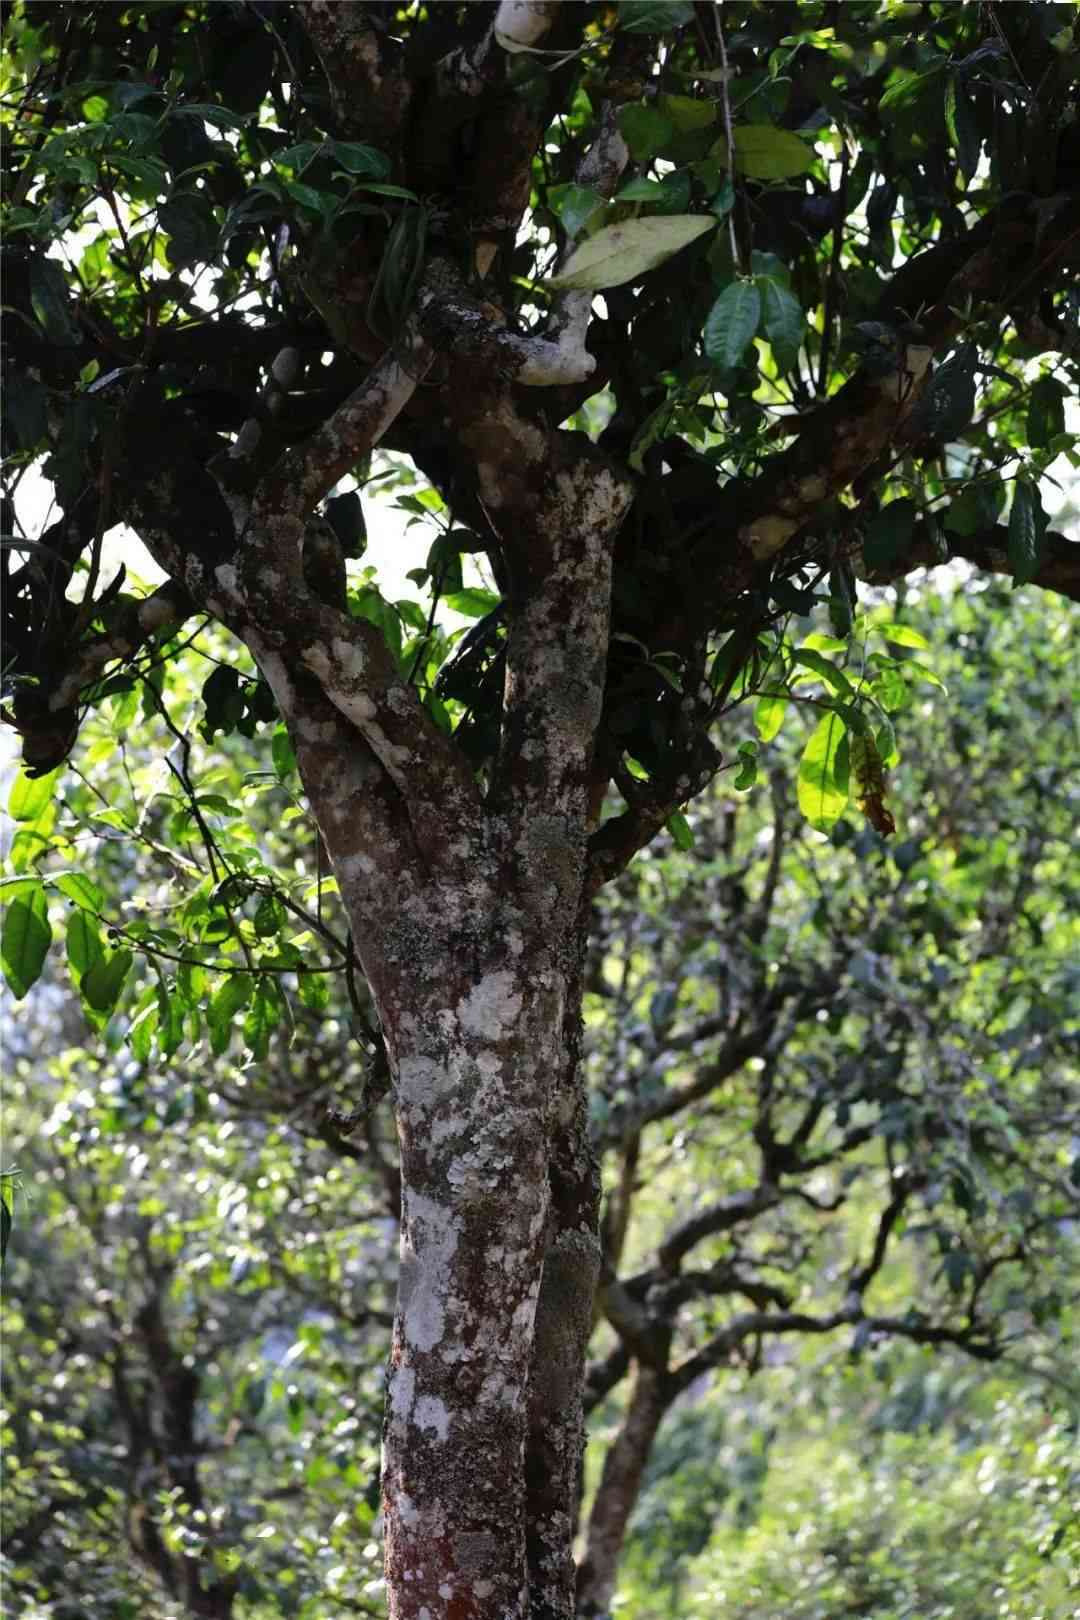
(483, 1421)
(474, 1078)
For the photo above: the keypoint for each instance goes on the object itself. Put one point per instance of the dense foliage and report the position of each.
(693, 339)
(205, 1252)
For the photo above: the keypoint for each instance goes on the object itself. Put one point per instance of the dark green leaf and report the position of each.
(654, 16)
(746, 775)
(170, 1028)
(731, 323)
(575, 205)
(766, 153)
(25, 399)
(645, 130)
(263, 1018)
(188, 222)
(84, 946)
(889, 533)
(223, 698)
(1046, 412)
(976, 507)
(784, 322)
(225, 1003)
(102, 983)
(1024, 547)
(52, 302)
(356, 158)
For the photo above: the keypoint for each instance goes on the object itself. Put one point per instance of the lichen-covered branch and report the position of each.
(130, 622)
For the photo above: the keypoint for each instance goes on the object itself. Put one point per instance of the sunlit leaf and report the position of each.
(24, 941)
(823, 773)
(621, 253)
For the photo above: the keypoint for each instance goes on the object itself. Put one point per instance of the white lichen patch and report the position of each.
(349, 654)
(402, 1393)
(423, 1283)
(431, 1413)
(424, 1083)
(492, 1007)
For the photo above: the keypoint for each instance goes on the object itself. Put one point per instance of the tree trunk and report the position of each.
(499, 1257)
(480, 1009)
(619, 1487)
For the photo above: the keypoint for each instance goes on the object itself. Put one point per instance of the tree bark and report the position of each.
(618, 1491)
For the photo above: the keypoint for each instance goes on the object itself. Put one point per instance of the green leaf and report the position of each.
(225, 1003)
(765, 153)
(1046, 412)
(473, 602)
(314, 990)
(102, 983)
(731, 323)
(821, 643)
(52, 303)
(84, 946)
(823, 774)
(1024, 547)
(141, 1032)
(688, 112)
(769, 714)
(784, 322)
(575, 206)
(962, 125)
(976, 507)
(263, 1018)
(5, 1223)
(223, 698)
(25, 940)
(902, 635)
(11, 888)
(680, 830)
(188, 221)
(645, 130)
(906, 86)
(654, 16)
(282, 753)
(357, 158)
(748, 766)
(888, 535)
(30, 795)
(823, 667)
(623, 252)
(170, 1029)
(914, 668)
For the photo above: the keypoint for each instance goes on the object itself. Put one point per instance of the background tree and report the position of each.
(202, 1281)
(248, 245)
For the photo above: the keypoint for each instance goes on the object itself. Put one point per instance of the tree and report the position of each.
(200, 1300)
(249, 244)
